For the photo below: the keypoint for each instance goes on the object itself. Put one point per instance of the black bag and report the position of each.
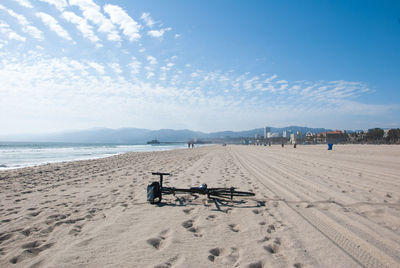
(153, 192)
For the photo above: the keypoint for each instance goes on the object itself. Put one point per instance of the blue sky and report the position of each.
(202, 65)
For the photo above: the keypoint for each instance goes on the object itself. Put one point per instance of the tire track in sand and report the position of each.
(357, 249)
(289, 176)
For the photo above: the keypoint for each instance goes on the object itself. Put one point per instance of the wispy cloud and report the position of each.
(24, 3)
(134, 66)
(147, 19)
(149, 75)
(159, 33)
(11, 35)
(98, 67)
(59, 4)
(116, 67)
(269, 79)
(91, 11)
(82, 25)
(26, 25)
(67, 83)
(152, 60)
(129, 27)
(52, 23)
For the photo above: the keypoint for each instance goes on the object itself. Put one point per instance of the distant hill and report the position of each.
(141, 136)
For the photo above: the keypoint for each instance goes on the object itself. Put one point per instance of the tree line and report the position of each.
(375, 136)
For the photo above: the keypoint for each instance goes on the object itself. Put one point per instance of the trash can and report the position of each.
(330, 146)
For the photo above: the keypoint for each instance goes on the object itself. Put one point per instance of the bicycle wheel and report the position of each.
(228, 193)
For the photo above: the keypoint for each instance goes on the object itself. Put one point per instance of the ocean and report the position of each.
(25, 154)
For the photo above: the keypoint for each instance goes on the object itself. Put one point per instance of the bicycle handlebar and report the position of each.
(161, 173)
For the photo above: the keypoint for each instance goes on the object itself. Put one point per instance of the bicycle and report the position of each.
(155, 190)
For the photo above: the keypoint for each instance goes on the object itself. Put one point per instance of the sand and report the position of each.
(313, 208)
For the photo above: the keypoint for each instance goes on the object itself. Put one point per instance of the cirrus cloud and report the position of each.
(26, 25)
(59, 4)
(11, 35)
(129, 27)
(52, 23)
(24, 3)
(82, 25)
(91, 11)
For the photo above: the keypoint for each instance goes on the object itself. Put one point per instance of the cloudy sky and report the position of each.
(202, 65)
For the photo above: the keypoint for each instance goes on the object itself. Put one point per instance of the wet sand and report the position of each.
(313, 208)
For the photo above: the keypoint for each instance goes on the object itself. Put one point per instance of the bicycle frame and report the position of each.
(156, 189)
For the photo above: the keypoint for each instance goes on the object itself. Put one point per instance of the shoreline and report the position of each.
(89, 157)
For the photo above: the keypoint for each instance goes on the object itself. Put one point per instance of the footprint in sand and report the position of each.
(265, 239)
(160, 241)
(256, 211)
(257, 264)
(28, 231)
(4, 237)
(233, 228)
(274, 247)
(32, 249)
(309, 205)
(225, 256)
(215, 252)
(189, 225)
(187, 210)
(75, 230)
(271, 229)
(155, 242)
(45, 231)
(34, 214)
(171, 262)
(33, 244)
(211, 217)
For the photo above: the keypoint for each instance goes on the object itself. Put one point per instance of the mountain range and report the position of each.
(141, 136)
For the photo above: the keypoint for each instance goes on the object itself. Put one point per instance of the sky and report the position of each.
(200, 65)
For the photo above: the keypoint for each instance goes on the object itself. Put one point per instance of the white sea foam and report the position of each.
(17, 155)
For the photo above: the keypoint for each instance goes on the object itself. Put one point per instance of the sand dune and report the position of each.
(313, 208)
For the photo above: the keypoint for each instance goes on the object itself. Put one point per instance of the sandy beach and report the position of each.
(313, 208)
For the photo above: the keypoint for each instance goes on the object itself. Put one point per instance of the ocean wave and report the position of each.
(18, 156)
